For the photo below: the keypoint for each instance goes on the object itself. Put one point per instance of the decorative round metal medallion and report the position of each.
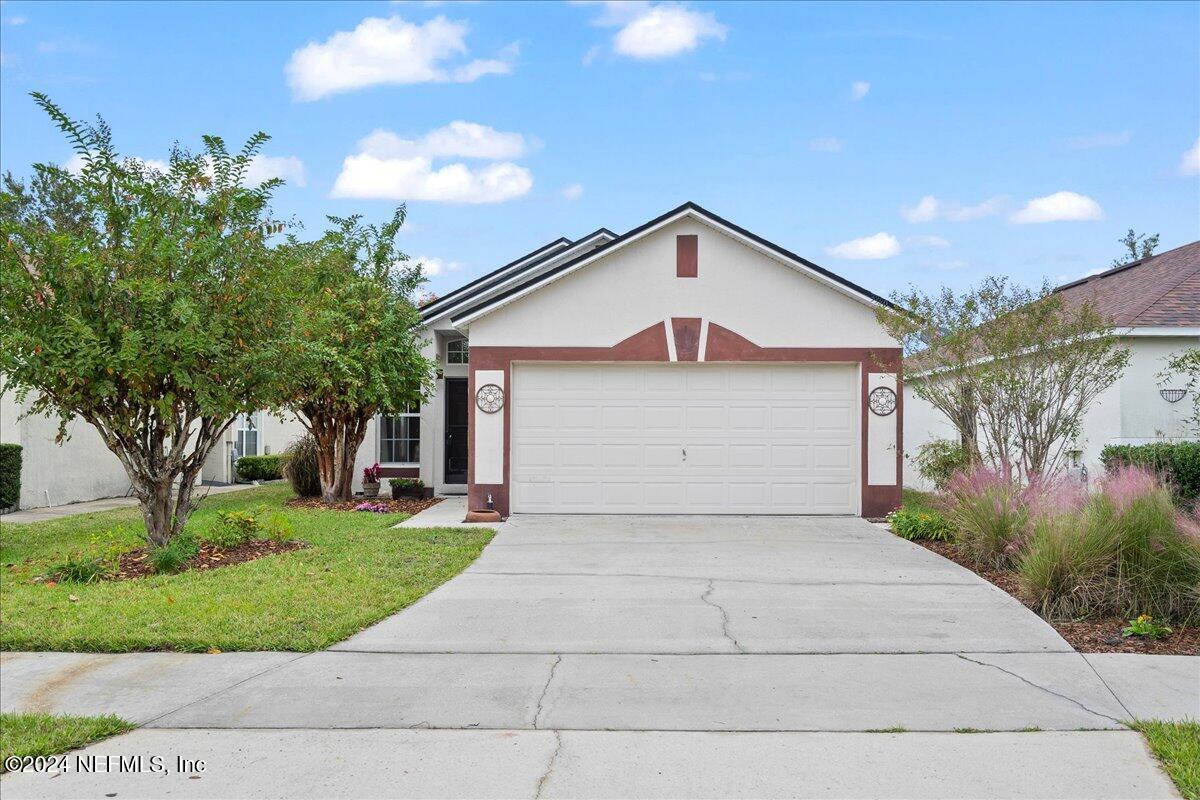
(882, 401)
(489, 398)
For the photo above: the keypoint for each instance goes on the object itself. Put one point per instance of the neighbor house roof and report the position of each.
(540, 278)
(1159, 291)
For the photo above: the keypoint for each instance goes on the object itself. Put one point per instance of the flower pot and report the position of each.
(370, 489)
(408, 492)
(482, 515)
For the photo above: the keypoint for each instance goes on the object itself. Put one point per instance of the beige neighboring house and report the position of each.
(1155, 304)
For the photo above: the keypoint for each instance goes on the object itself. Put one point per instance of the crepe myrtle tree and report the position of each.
(359, 350)
(145, 301)
(1013, 369)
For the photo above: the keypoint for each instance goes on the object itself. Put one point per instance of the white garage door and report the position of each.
(685, 439)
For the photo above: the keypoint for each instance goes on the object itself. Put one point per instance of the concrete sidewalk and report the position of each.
(46, 513)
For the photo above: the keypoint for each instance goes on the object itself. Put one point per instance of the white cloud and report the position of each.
(929, 208)
(868, 248)
(592, 53)
(859, 89)
(289, 168)
(825, 144)
(74, 164)
(458, 139)
(389, 51)
(1058, 207)
(928, 241)
(655, 30)
(390, 168)
(1091, 141)
(17, 20)
(1189, 164)
(573, 192)
(432, 267)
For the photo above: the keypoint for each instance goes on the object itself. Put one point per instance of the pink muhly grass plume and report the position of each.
(1188, 523)
(975, 482)
(1047, 496)
(1126, 484)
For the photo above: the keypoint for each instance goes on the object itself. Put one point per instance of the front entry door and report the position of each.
(456, 430)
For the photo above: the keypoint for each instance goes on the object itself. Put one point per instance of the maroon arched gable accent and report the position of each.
(687, 338)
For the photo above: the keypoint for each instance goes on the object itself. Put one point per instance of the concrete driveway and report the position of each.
(653, 656)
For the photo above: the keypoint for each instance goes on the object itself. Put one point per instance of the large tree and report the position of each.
(360, 346)
(144, 301)
(1013, 369)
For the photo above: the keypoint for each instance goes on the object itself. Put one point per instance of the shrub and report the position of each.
(938, 460)
(172, 556)
(1129, 551)
(1177, 462)
(300, 466)
(989, 516)
(99, 561)
(278, 528)
(233, 529)
(406, 483)
(10, 475)
(260, 468)
(913, 524)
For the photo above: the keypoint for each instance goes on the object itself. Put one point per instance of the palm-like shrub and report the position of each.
(300, 466)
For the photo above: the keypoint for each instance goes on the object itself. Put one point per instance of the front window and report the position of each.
(400, 437)
(246, 435)
(457, 352)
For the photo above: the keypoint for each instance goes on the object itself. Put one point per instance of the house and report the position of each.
(686, 366)
(1155, 305)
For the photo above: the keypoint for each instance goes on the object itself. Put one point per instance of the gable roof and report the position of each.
(1160, 291)
(525, 264)
(688, 209)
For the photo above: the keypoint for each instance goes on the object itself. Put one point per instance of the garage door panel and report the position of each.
(759, 438)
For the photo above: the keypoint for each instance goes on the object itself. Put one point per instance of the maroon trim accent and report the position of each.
(400, 472)
(650, 345)
(687, 258)
(687, 338)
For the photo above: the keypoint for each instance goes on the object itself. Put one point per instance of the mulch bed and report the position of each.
(1086, 636)
(406, 505)
(136, 563)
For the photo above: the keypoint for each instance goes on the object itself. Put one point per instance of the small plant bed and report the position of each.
(1101, 635)
(137, 563)
(379, 505)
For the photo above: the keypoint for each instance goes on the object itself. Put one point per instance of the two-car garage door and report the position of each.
(685, 438)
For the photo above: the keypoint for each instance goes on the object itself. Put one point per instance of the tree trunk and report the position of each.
(338, 438)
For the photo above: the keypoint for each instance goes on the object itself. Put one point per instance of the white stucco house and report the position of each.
(686, 366)
(1155, 305)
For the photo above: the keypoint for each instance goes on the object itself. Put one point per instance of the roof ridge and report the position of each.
(1121, 268)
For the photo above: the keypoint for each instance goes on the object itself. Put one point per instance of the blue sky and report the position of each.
(891, 143)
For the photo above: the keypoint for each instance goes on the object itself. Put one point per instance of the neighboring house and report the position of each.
(1155, 305)
(687, 366)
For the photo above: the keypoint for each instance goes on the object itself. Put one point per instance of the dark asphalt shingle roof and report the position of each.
(1163, 290)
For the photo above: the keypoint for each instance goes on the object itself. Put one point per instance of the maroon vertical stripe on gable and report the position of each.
(687, 260)
(687, 337)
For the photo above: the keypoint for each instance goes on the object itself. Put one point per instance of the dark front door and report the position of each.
(456, 430)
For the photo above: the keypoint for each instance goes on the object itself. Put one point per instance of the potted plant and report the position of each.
(407, 487)
(371, 481)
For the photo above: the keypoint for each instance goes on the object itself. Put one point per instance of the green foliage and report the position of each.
(260, 468)
(1177, 746)
(939, 459)
(988, 517)
(10, 475)
(96, 562)
(279, 528)
(1063, 570)
(406, 483)
(34, 735)
(1137, 247)
(356, 570)
(144, 301)
(920, 524)
(1144, 625)
(171, 557)
(1185, 365)
(1178, 463)
(300, 466)
(234, 529)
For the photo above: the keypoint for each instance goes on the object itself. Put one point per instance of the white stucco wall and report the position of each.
(881, 436)
(1131, 411)
(81, 468)
(275, 433)
(755, 295)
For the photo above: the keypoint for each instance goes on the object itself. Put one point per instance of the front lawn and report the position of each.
(33, 735)
(1177, 746)
(356, 571)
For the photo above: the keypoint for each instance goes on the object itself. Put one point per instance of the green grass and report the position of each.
(916, 500)
(1177, 746)
(46, 735)
(357, 571)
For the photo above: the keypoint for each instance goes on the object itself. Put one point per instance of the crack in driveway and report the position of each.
(541, 784)
(705, 598)
(1041, 688)
(537, 715)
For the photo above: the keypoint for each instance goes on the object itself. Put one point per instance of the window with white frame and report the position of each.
(400, 437)
(245, 435)
(457, 351)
